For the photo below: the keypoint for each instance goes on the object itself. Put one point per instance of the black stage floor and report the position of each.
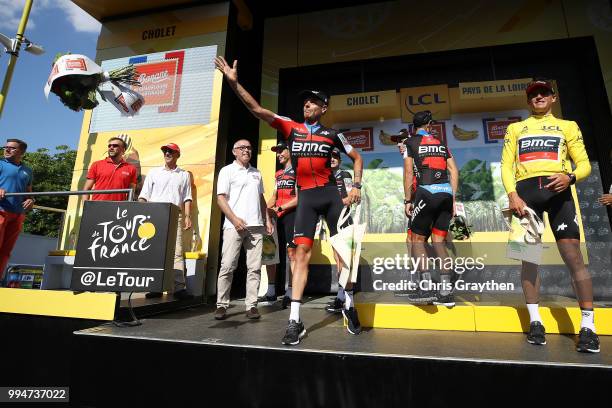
(326, 334)
(246, 362)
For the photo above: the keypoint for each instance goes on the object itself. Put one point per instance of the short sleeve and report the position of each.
(342, 144)
(283, 124)
(223, 184)
(134, 176)
(187, 188)
(147, 186)
(408, 151)
(92, 172)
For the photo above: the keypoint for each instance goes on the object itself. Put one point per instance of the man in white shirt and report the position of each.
(171, 184)
(240, 197)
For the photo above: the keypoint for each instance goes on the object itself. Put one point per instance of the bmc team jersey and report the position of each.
(429, 155)
(285, 188)
(433, 198)
(310, 147)
(542, 146)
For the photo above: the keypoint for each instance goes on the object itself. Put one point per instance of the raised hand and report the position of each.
(230, 73)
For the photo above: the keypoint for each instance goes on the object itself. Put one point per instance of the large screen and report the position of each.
(177, 89)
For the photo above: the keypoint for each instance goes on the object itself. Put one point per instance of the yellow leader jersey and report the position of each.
(542, 146)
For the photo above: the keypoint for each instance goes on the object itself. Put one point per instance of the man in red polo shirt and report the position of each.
(111, 173)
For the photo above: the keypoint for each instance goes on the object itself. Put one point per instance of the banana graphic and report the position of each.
(388, 139)
(462, 134)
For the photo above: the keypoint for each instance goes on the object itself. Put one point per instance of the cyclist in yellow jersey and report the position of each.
(537, 173)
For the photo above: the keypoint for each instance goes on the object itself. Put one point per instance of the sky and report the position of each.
(59, 26)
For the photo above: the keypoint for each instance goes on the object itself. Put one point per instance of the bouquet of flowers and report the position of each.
(76, 80)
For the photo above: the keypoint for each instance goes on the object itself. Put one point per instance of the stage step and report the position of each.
(482, 312)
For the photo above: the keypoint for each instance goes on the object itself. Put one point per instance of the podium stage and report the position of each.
(186, 358)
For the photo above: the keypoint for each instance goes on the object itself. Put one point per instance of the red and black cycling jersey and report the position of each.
(285, 188)
(311, 147)
(430, 156)
(344, 181)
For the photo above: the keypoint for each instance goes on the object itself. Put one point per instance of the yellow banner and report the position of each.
(364, 100)
(493, 89)
(149, 29)
(433, 98)
(366, 106)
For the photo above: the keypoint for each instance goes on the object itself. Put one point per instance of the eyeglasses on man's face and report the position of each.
(243, 148)
(113, 145)
(10, 148)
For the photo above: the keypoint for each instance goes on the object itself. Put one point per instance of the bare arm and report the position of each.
(133, 188)
(408, 177)
(231, 75)
(28, 203)
(187, 213)
(272, 199)
(355, 195)
(89, 183)
(454, 174)
(266, 215)
(357, 165)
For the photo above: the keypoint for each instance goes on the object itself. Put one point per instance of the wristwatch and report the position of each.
(572, 177)
(407, 202)
(357, 185)
(280, 209)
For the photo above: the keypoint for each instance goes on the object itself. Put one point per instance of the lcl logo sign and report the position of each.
(425, 99)
(434, 98)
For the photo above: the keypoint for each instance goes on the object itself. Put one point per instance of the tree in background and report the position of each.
(52, 172)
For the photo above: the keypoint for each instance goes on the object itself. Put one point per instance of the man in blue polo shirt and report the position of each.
(15, 177)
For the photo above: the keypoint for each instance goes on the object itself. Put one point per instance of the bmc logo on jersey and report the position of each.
(437, 150)
(539, 148)
(310, 147)
(285, 184)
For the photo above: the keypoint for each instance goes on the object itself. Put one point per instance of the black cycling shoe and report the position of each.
(588, 342)
(266, 300)
(445, 300)
(295, 332)
(422, 297)
(537, 334)
(335, 306)
(352, 320)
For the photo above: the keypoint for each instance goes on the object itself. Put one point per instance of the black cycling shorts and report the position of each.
(285, 226)
(313, 202)
(431, 213)
(559, 206)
